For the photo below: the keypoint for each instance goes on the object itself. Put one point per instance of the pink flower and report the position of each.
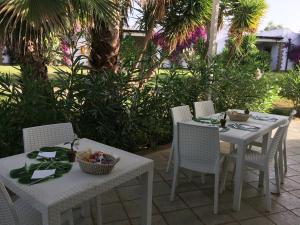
(191, 38)
(77, 27)
(65, 48)
(66, 60)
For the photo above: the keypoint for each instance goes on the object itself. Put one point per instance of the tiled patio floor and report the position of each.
(193, 203)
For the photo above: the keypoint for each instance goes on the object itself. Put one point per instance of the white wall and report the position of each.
(274, 56)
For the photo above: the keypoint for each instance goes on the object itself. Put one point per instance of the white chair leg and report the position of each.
(174, 183)
(277, 174)
(96, 210)
(85, 209)
(216, 193)
(202, 178)
(170, 158)
(190, 176)
(224, 176)
(99, 210)
(284, 156)
(280, 164)
(267, 190)
(68, 217)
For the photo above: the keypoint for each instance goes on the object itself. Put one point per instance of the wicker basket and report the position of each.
(97, 168)
(236, 116)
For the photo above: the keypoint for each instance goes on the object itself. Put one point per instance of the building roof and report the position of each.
(278, 34)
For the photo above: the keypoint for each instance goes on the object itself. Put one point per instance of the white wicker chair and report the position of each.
(51, 135)
(179, 114)
(261, 161)
(198, 149)
(204, 108)
(282, 151)
(19, 212)
(35, 138)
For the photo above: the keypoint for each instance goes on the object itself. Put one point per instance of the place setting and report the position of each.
(56, 161)
(264, 118)
(219, 122)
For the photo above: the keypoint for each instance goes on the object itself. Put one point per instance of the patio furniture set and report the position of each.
(51, 202)
(195, 146)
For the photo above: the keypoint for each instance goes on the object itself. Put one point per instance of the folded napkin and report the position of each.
(48, 155)
(245, 127)
(206, 120)
(41, 174)
(265, 118)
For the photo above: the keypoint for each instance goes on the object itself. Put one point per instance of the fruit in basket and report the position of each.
(95, 157)
(237, 116)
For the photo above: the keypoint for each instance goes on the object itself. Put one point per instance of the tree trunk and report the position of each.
(105, 46)
(32, 62)
(141, 54)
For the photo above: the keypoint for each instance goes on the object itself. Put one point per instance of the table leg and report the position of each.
(146, 207)
(238, 178)
(99, 210)
(264, 148)
(51, 217)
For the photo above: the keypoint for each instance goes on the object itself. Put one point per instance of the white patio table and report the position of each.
(241, 138)
(58, 195)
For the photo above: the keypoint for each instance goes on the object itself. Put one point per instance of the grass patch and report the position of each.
(15, 70)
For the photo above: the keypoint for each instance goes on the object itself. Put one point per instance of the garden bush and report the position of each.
(239, 88)
(290, 86)
(234, 83)
(114, 109)
(24, 103)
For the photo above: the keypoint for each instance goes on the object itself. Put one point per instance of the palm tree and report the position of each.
(244, 16)
(27, 24)
(176, 18)
(105, 38)
(177, 21)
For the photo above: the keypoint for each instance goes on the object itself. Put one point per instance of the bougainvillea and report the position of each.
(191, 39)
(66, 52)
(294, 54)
(68, 43)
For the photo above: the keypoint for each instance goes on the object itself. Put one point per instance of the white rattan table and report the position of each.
(241, 139)
(58, 195)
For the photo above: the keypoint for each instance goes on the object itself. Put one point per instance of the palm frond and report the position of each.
(246, 15)
(35, 19)
(97, 10)
(184, 16)
(31, 17)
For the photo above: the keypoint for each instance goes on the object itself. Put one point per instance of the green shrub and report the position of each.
(237, 88)
(113, 109)
(290, 86)
(234, 84)
(24, 103)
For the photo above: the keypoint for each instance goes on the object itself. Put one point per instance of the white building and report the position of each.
(276, 43)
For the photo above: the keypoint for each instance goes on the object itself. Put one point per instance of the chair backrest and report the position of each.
(204, 108)
(291, 116)
(8, 215)
(276, 141)
(180, 114)
(47, 135)
(198, 144)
